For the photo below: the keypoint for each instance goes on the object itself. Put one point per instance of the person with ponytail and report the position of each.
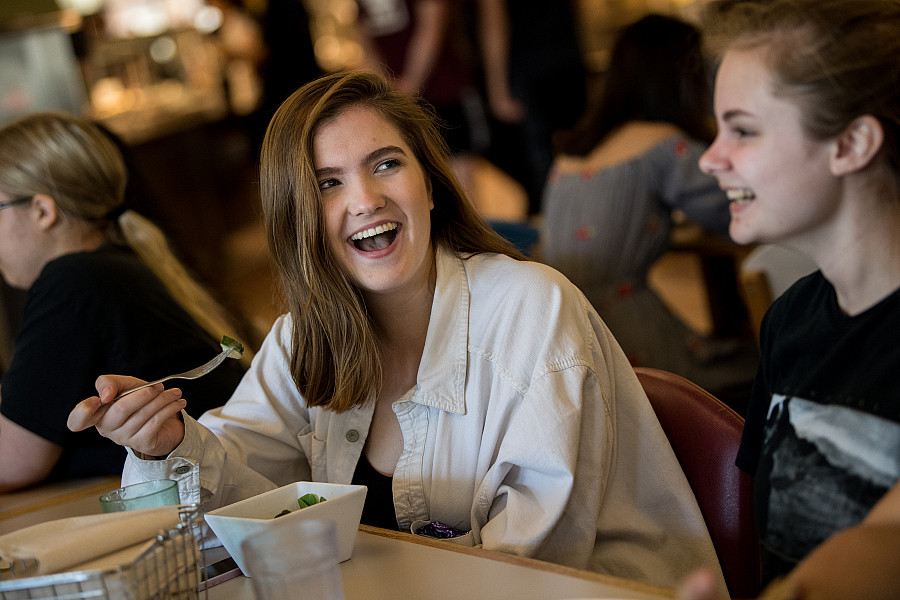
(105, 294)
(807, 100)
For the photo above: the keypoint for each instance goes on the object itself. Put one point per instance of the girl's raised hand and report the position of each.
(146, 421)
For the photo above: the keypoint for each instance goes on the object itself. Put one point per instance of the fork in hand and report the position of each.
(192, 374)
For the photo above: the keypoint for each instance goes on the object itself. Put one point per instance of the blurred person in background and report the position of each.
(242, 53)
(621, 174)
(535, 82)
(105, 293)
(290, 60)
(418, 46)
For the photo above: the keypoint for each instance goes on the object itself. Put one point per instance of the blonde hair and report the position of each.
(836, 60)
(71, 160)
(334, 359)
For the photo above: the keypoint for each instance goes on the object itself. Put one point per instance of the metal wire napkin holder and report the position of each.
(170, 569)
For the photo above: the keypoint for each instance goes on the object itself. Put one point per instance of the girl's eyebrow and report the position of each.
(382, 152)
(373, 156)
(327, 172)
(735, 113)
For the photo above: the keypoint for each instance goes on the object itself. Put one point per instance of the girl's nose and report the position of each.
(367, 199)
(712, 161)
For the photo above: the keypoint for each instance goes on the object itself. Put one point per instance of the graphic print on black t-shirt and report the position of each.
(828, 465)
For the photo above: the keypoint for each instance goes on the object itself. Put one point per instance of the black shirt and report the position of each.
(822, 435)
(378, 511)
(95, 313)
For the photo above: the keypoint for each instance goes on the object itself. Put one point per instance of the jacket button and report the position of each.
(352, 435)
(182, 470)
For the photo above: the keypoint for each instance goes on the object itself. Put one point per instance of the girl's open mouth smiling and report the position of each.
(375, 238)
(741, 196)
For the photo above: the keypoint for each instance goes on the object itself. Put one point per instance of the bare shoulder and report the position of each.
(628, 141)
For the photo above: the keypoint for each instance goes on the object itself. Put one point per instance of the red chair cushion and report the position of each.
(705, 434)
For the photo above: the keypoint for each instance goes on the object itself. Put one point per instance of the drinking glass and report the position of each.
(298, 559)
(148, 494)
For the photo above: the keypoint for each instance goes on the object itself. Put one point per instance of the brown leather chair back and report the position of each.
(705, 433)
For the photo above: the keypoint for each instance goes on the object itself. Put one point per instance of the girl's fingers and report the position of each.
(110, 386)
(86, 413)
(127, 415)
(154, 413)
(145, 420)
(161, 433)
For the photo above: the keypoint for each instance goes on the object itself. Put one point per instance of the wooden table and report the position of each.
(385, 564)
(390, 565)
(53, 501)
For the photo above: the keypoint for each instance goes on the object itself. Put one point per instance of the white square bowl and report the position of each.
(236, 522)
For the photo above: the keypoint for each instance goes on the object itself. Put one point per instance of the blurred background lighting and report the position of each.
(208, 19)
(83, 7)
(163, 49)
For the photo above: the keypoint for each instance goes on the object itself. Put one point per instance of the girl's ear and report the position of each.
(857, 145)
(45, 211)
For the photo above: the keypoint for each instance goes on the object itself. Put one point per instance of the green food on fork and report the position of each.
(237, 348)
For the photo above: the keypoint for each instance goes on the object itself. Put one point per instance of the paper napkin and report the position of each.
(64, 543)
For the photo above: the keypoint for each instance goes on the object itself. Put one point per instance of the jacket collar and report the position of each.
(441, 381)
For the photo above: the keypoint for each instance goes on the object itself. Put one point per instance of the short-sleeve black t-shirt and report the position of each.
(94, 313)
(822, 435)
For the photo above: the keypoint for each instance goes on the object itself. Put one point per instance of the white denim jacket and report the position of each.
(527, 427)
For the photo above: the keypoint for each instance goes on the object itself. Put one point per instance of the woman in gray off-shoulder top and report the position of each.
(609, 201)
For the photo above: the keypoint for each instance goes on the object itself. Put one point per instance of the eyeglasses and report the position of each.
(15, 201)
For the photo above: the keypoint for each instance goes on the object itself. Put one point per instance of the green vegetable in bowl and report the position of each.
(309, 499)
(304, 501)
(237, 348)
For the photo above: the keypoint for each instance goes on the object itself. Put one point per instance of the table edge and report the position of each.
(64, 497)
(531, 563)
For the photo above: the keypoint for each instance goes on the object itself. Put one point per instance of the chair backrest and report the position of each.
(705, 433)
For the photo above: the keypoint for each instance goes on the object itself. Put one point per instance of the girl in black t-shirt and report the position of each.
(807, 101)
(105, 294)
